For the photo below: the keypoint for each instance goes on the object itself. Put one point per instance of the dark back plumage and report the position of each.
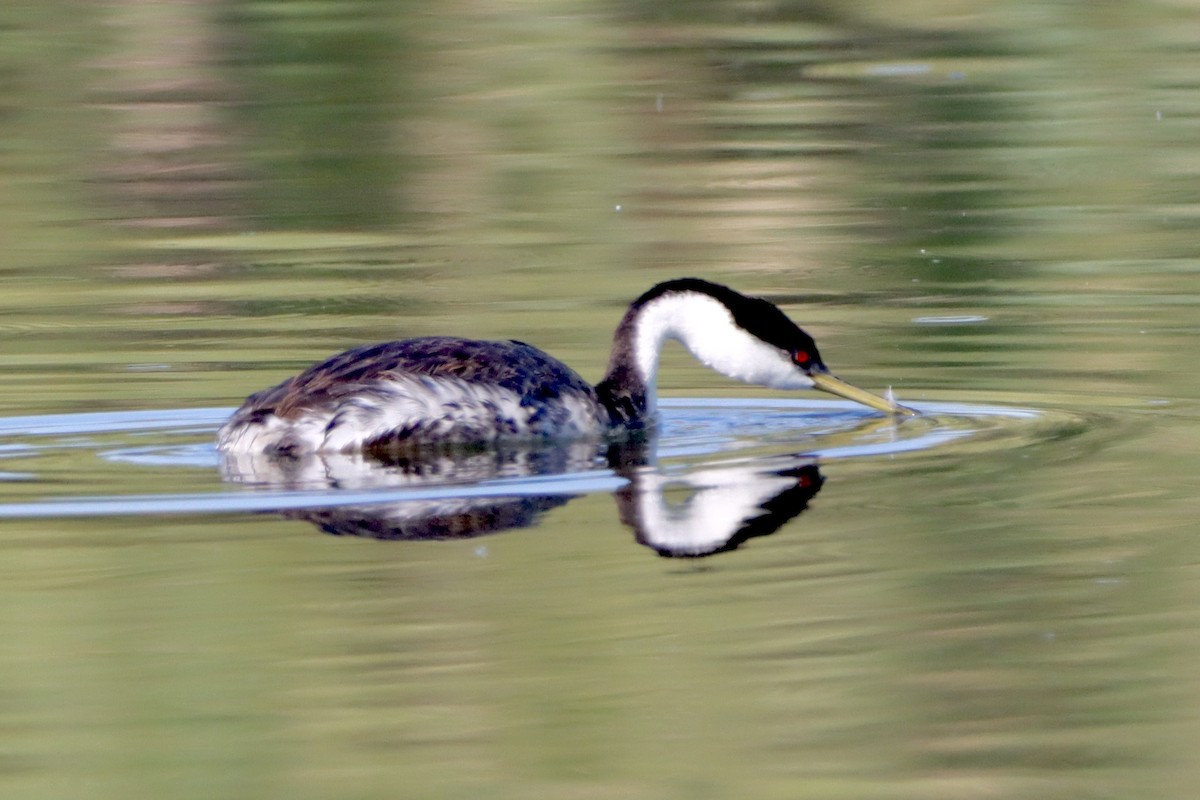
(512, 365)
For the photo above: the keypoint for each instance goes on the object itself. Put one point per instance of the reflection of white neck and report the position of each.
(720, 502)
(706, 328)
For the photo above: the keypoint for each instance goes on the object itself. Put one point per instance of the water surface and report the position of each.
(988, 207)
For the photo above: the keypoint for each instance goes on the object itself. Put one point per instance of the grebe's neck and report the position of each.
(706, 326)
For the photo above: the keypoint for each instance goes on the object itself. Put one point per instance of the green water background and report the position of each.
(200, 198)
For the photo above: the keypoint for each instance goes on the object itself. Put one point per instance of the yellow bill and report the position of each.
(827, 383)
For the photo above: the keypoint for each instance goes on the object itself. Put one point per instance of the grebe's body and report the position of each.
(442, 390)
(434, 390)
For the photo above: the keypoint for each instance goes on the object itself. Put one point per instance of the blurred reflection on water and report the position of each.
(977, 203)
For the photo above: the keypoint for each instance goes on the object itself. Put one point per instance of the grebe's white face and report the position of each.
(706, 328)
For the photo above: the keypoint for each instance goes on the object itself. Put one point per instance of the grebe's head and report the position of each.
(746, 338)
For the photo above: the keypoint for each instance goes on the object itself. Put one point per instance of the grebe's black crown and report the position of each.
(758, 317)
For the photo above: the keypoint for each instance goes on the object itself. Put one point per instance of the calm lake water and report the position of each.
(990, 207)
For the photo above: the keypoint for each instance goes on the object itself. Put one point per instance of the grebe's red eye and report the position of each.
(800, 357)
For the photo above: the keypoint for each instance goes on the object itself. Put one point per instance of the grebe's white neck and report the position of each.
(714, 329)
(705, 326)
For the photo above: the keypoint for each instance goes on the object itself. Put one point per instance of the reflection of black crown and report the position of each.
(723, 509)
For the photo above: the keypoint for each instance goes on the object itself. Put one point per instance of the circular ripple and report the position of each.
(136, 447)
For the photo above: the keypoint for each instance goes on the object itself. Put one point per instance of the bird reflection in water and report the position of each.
(722, 508)
(689, 514)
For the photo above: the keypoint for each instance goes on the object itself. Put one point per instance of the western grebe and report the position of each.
(442, 390)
